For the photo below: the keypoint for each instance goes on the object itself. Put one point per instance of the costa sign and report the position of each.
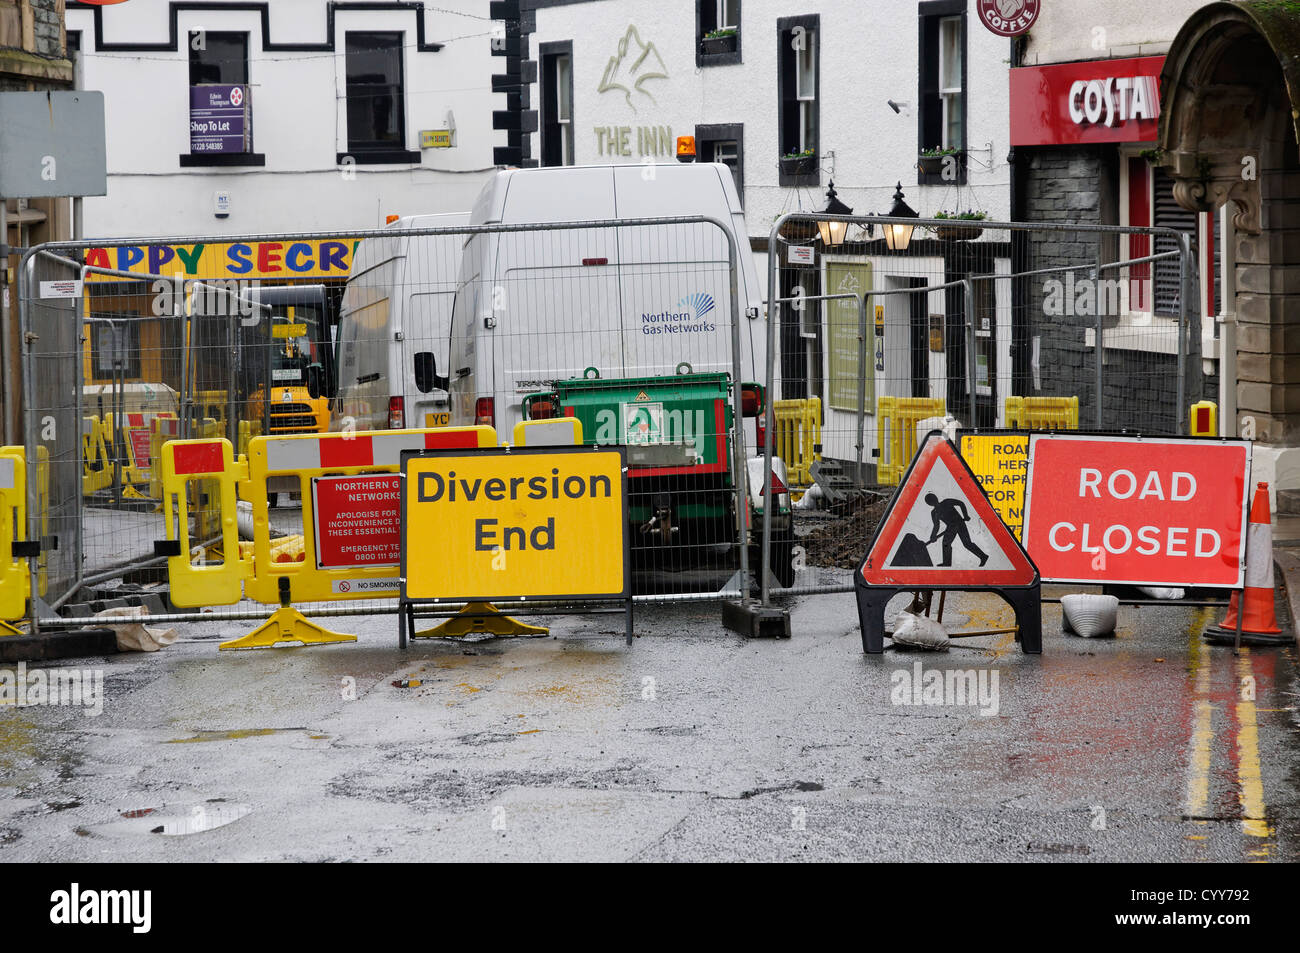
(1008, 17)
(1140, 511)
(1114, 100)
(1090, 102)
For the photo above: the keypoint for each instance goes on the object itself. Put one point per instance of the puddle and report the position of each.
(236, 734)
(171, 820)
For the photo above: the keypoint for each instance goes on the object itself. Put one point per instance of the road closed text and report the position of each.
(1118, 538)
(1132, 510)
(492, 524)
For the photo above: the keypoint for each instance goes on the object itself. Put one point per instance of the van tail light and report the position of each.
(751, 400)
(761, 429)
(541, 409)
(485, 414)
(396, 413)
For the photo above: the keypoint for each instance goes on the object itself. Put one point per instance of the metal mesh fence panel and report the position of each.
(642, 331)
(998, 326)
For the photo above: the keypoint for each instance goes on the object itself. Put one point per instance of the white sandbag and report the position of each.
(244, 518)
(1157, 592)
(917, 631)
(812, 499)
(1089, 614)
(135, 636)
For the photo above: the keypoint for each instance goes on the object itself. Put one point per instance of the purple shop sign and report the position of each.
(218, 119)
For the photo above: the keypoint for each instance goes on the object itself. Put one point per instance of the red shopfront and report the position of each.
(1111, 108)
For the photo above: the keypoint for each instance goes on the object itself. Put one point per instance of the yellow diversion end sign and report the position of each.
(496, 524)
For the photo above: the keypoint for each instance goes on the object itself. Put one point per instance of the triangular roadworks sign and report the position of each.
(941, 531)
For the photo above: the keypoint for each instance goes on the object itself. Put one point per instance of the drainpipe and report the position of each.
(1227, 324)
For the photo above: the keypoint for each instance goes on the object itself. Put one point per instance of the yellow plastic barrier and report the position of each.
(97, 468)
(798, 437)
(1203, 421)
(162, 430)
(15, 584)
(186, 464)
(350, 544)
(1042, 413)
(896, 420)
(556, 432)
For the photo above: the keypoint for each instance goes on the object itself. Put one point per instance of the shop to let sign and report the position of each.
(1141, 511)
(218, 119)
(514, 523)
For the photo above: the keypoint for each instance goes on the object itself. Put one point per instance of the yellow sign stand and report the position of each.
(481, 618)
(286, 624)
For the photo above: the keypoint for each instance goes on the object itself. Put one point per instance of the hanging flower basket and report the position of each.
(958, 233)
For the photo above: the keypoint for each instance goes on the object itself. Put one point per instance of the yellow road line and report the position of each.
(1198, 777)
(1254, 820)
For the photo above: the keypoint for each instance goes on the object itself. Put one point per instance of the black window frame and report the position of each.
(706, 20)
(787, 70)
(710, 133)
(547, 125)
(212, 159)
(929, 112)
(378, 152)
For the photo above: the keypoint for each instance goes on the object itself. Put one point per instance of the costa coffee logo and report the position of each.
(1008, 17)
(1114, 100)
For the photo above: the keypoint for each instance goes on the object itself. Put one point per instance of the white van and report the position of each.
(393, 328)
(537, 306)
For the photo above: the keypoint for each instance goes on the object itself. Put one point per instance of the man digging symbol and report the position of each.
(954, 517)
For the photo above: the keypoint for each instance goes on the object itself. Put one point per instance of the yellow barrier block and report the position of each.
(97, 469)
(1203, 421)
(556, 432)
(186, 463)
(15, 583)
(797, 437)
(896, 420)
(349, 484)
(1042, 413)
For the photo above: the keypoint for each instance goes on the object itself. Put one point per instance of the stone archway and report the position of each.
(1228, 134)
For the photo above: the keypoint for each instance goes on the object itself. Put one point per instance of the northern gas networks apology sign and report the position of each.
(1136, 510)
(495, 524)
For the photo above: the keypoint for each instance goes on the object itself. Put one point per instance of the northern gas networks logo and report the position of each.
(701, 304)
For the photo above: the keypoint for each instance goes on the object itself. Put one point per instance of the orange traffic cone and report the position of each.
(1259, 621)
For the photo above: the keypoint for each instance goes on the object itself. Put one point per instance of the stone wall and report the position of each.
(32, 53)
(1139, 387)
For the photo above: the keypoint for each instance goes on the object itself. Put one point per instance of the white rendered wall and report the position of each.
(299, 121)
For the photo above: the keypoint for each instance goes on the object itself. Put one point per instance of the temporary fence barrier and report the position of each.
(998, 325)
(671, 329)
(14, 584)
(897, 418)
(797, 437)
(1042, 413)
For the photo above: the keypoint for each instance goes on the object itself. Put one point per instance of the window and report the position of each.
(798, 58)
(717, 32)
(221, 114)
(115, 347)
(557, 103)
(376, 111)
(725, 143)
(218, 58)
(1151, 294)
(942, 78)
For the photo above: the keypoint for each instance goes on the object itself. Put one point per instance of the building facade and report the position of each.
(298, 115)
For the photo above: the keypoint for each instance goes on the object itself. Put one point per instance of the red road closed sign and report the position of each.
(1142, 511)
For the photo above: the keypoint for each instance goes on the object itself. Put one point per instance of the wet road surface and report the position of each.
(694, 744)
